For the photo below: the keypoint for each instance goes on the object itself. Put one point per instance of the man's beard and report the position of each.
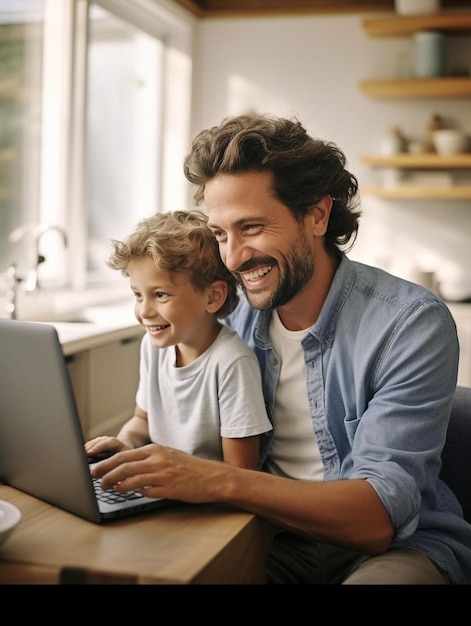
(296, 272)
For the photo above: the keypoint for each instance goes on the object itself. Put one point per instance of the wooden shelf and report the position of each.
(403, 26)
(418, 88)
(413, 192)
(425, 161)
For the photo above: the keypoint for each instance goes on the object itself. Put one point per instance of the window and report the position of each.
(99, 139)
(122, 139)
(21, 38)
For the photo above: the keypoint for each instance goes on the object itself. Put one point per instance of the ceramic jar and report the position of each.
(416, 7)
(429, 58)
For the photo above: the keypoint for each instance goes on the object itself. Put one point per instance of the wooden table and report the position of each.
(182, 544)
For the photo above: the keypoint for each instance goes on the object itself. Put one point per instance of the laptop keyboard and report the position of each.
(111, 496)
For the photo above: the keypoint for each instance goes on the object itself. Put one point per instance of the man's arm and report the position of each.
(346, 512)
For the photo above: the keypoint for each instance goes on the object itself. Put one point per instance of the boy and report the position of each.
(200, 387)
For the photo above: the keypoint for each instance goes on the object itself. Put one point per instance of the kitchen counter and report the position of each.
(97, 326)
(76, 337)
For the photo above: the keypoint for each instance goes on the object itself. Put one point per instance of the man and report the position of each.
(359, 370)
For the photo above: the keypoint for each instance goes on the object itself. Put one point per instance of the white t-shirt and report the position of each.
(294, 451)
(192, 407)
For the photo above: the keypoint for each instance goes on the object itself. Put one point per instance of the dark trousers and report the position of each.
(294, 559)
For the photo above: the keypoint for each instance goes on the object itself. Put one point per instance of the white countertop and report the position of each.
(76, 337)
(103, 325)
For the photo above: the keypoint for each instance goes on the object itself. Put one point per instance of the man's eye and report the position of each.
(219, 235)
(252, 228)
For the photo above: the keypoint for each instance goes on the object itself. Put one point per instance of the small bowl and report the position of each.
(10, 517)
(449, 141)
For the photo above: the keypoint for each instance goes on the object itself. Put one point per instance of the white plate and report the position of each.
(10, 516)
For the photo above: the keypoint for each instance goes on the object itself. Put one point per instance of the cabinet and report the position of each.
(105, 379)
(419, 88)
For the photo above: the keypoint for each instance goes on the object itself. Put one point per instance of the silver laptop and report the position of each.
(41, 439)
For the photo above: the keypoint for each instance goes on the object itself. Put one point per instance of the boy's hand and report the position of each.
(103, 447)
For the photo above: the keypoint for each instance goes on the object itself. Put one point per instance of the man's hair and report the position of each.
(180, 242)
(304, 169)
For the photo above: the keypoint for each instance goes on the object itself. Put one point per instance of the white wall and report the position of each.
(310, 66)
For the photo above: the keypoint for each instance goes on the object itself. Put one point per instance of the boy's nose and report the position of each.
(146, 308)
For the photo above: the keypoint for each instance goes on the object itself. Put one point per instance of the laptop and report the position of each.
(41, 438)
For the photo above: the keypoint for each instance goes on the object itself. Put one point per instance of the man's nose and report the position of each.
(234, 252)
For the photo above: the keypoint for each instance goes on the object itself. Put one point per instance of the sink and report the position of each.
(108, 305)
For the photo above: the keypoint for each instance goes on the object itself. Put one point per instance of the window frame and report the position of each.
(62, 195)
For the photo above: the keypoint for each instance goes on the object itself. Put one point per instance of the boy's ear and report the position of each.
(217, 294)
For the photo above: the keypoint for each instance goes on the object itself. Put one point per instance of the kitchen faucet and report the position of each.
(32, 282)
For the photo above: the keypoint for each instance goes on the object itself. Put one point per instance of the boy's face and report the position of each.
(167, 305)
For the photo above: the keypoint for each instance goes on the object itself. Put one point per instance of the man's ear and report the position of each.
(217, 294)
(320, 216)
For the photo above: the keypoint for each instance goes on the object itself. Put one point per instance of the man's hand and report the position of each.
(160, 472)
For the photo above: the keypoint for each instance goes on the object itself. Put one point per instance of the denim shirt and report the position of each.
(381, 369)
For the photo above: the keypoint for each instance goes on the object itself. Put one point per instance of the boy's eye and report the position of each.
(160, 294)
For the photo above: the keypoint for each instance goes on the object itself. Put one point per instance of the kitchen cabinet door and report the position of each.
(77, 365)
(113, 380)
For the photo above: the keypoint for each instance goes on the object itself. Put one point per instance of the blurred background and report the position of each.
(99, 101)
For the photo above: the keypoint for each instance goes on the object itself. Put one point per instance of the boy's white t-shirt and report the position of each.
(192, 407)
(294, 451)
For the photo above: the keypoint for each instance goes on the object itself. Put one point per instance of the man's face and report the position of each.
(260, 241)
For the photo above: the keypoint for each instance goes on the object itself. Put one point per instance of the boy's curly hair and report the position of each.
(178, 241)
